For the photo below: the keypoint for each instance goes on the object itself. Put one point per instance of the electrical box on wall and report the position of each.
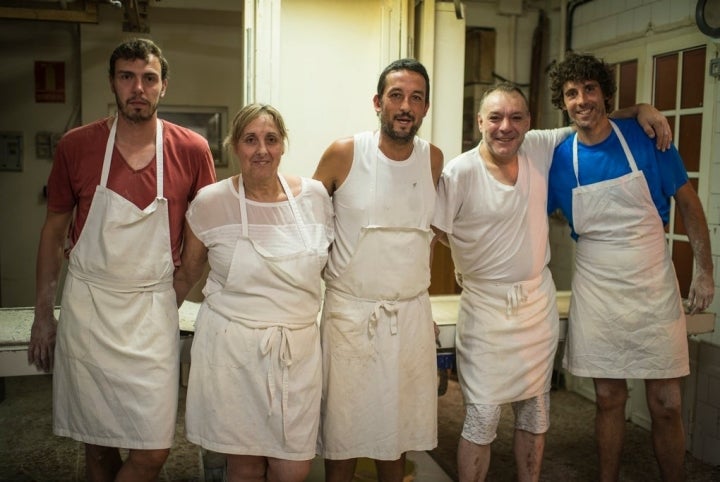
(715, 68)
(11, 151)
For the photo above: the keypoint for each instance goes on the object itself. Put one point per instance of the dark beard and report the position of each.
(397, 136)
(131, 115)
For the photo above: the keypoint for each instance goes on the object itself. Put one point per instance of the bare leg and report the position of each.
(529, 448)
(391, 470)
(611, 395)
(473, 461)
(664, 400)
(280, 470)
(340, 470)
(142, 465)
(246, 468)
(101, 463)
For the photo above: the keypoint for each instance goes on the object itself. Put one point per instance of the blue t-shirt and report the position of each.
(664, 171)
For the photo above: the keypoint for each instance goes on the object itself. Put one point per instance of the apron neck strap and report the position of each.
(107, 160)
(626, 149)
(159, 159)
(299, 222)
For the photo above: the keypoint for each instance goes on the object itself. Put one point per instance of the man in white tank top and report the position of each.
(379, 366)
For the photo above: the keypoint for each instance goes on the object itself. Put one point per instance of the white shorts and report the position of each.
(481, 421)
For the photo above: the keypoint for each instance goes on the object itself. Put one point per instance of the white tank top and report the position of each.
(403, 195)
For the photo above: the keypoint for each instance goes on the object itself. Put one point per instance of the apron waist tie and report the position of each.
(515, 296)
(123, 286)
(282, 336)
(390, 308)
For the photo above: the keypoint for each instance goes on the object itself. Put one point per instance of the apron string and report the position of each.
(108, 154)
(282, 336)
(159, 157)
(391, 309)
(515, 296)
(122, 286)
(299, 222)
(623, 143)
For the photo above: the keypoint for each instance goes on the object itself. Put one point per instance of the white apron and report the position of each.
(379, 358)
(626, 317)
(116, 359)
(506, 339)
(255, 378)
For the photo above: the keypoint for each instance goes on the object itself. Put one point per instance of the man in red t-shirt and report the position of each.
(117, 195)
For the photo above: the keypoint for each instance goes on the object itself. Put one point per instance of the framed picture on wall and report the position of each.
(209, 122)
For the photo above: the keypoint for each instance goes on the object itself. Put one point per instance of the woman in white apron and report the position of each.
(255, 378)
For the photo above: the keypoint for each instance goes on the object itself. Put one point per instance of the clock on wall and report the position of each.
(707, 17)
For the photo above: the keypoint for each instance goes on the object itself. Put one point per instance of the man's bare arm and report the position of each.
(49, 262)
(702, 287)
(437, 161)
(335, 163)
(192, 266)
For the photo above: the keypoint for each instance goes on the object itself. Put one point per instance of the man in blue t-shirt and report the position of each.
(626, 314)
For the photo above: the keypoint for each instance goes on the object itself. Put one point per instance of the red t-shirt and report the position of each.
(188, 166)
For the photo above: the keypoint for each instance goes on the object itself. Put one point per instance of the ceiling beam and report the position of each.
(86, 13)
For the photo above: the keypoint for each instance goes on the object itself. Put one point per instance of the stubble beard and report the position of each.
(400, 137)
(134, 115)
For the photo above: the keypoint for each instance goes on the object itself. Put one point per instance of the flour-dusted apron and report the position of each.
(506, 339)
(626, 317)
(116, 363)
(255, 380)
(379, 363)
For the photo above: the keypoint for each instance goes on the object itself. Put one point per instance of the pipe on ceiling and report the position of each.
(572, 6)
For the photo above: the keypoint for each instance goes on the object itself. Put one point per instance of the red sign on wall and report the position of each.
(49, 81)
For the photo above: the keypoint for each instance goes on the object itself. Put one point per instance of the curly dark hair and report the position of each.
(578, 67)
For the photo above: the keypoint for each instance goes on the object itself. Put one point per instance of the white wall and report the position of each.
(601, 22)
(331, 54)
(448, 82)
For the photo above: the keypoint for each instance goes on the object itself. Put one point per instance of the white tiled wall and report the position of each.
(713, 214)
(611, 20)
